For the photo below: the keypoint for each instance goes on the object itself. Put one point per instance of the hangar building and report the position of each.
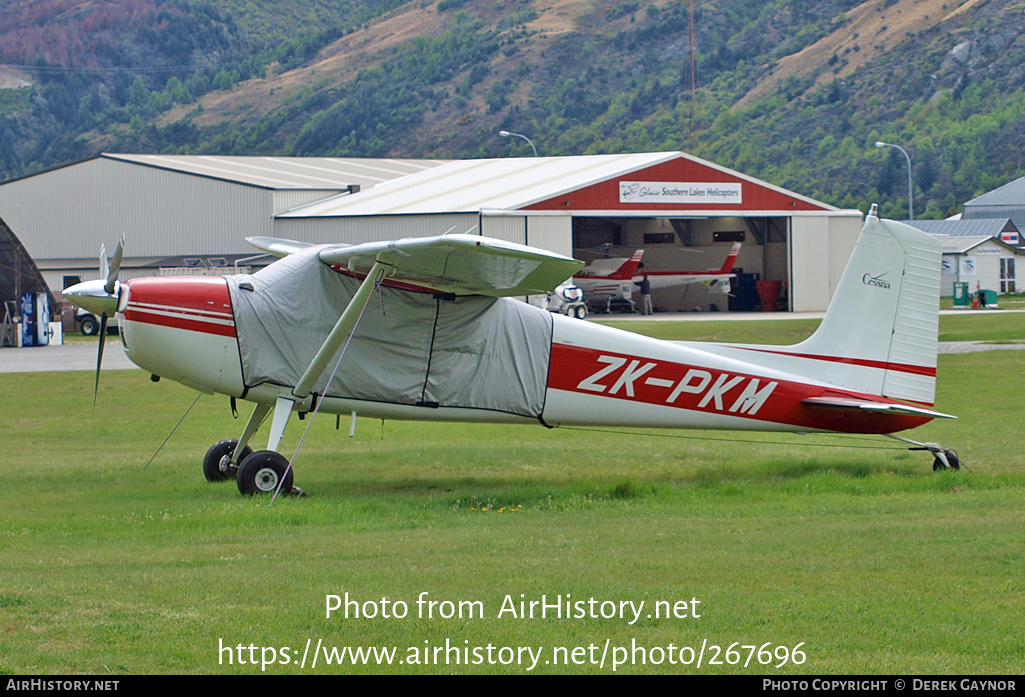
(175, 211)
(195, 211)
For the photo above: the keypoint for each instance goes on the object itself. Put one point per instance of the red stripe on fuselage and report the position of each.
(684, 274)
(195, 303)
(882, 365)
(703, 389)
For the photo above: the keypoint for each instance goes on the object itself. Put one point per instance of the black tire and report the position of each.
(952, 462)
(260, 473)
(89, 326)
(212, 459)
(952, 458)
(580, 312)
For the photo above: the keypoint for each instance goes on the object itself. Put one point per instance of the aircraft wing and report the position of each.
(277, 246)
(853, 404)
(459, 264)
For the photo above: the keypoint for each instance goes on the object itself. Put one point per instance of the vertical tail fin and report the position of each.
(880, 330)
(629, 268)
(731, 259)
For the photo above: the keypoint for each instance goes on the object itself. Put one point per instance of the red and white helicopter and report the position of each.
(444, 340)
(604, 279)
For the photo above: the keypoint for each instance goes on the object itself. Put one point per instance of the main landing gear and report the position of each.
(260, 472)
(267, 471)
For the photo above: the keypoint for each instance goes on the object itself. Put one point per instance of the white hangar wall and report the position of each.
(69, 212)
(372, 228)
(820, 247)
(551, 232)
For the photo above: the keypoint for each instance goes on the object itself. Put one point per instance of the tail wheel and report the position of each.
(264, 472)
(953, 462)
(212, 469)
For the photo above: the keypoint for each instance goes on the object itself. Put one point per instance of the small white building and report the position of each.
(984, 263)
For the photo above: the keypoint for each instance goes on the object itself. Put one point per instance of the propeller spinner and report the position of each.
(101, 297)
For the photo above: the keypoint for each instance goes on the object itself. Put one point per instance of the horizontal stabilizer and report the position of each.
(868, 405)
(277, 246)
(459, 264)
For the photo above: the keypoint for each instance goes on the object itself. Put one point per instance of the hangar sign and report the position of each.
(716, 193)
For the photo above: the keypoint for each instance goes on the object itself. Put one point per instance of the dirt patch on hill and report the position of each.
(871, 29)
(336, 64)
(339, 62)
(11, 79)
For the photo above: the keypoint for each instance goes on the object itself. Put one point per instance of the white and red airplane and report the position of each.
(444, 341)
(603, 279)
(619, 278)
(718, 277)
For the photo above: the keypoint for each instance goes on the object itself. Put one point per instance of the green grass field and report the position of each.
(860, 556)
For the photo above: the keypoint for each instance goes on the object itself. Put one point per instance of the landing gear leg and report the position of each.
(267, 471)
(223, 457)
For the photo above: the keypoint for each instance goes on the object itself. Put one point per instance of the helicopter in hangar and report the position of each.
(448, 341)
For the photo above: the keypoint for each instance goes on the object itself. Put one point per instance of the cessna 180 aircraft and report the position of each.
(603, 279)
(445, 340)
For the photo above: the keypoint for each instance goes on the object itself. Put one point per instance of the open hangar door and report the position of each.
(694, 244)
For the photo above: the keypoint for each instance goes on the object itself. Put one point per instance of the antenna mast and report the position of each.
(693, 73)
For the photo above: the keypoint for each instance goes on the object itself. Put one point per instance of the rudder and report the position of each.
(883, 321)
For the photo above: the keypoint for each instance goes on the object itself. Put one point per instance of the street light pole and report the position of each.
(911, 200)
(507, 134)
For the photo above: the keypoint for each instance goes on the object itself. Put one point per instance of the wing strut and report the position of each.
(339, 335)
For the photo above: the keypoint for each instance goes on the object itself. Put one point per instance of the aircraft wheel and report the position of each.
(218, 451)
(953, 461)
(580, 312)
(261, 472)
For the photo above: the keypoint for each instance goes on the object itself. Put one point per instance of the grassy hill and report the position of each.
(795, 92)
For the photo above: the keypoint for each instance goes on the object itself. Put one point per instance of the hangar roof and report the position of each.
(1007, 201)
(1010, 194)
(963, 245)
(981, 227)
(286, 172)
(587, 182)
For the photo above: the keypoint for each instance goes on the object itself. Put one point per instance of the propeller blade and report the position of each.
(99, 356)
(115, 267)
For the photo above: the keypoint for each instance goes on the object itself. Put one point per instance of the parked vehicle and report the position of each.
(89, 324)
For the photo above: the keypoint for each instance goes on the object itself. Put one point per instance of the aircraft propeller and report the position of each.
(100, 297)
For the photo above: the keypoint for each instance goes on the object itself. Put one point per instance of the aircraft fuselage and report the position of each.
(187, 330)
